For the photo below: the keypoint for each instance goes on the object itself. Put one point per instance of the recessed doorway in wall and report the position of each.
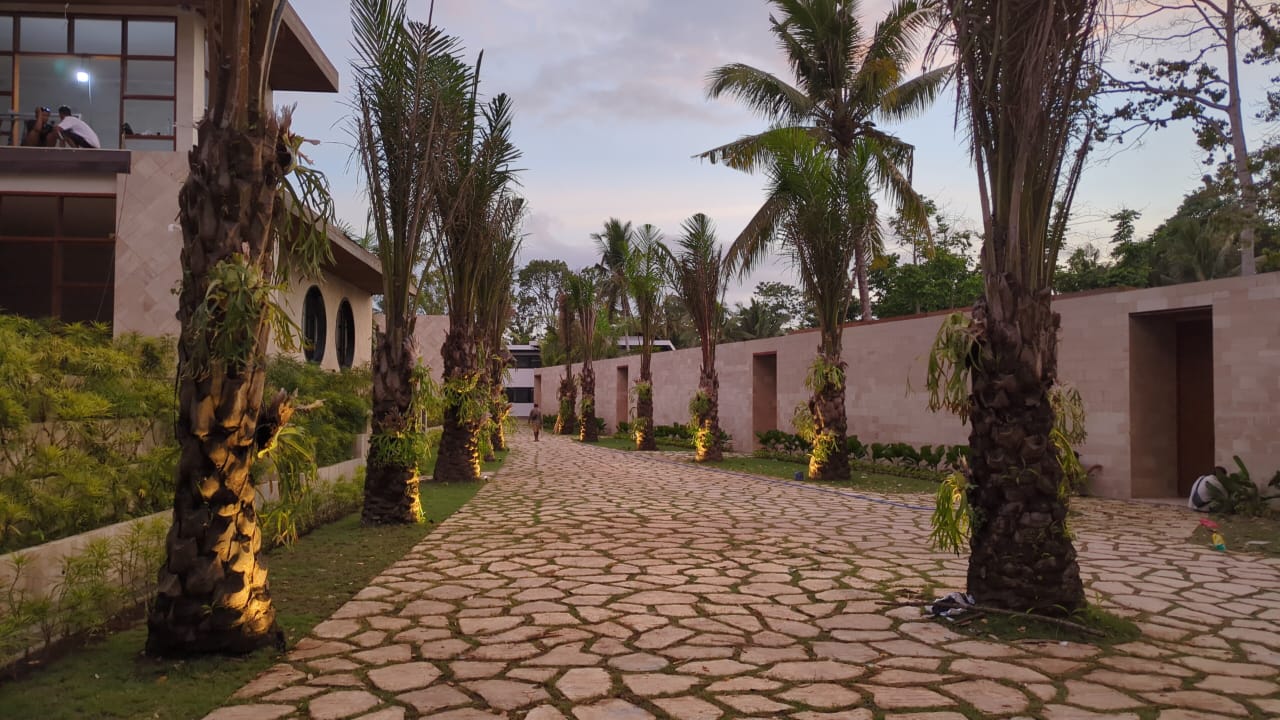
(764, 394)
(621, 396)
(1171, 403)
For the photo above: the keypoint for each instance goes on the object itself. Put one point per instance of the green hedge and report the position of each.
(343, 413)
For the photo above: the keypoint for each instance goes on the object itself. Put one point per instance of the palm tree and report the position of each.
(753, 321)
(477, 183)
(844, 82)
(699, 275)
(497, 288)
(567, 394)
(410, 91)
(583, 295)
(645, 271)
(1026, 72)
(238, 213)
(822, 213)
(614, 243)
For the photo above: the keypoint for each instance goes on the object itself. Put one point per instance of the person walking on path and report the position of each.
(535, 421)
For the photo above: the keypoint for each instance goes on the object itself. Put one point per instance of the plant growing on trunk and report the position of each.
(583, 292)
(478, 176)
(410, 92)
(845, 81)
(646, 271)
(699, 275)
(820, 213)
(238, 212)
(567, 394)
(1026, 73)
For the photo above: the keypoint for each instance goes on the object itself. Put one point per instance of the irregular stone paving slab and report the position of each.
(588, 584)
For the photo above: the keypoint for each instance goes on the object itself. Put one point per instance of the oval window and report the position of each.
(313, 325)
(345, 342)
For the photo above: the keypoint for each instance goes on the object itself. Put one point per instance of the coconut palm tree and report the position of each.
(477, 182)
(410, 96)
(583, 296)
(698, 273)
(844, 82)
(822, 213)
(614, 243)
(238, 213)
(1026, 72)
(646, 273)
(567, 394)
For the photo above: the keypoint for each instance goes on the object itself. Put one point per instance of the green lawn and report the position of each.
(110, 679)
(867, 482)
(1260, 535)
(629, 443)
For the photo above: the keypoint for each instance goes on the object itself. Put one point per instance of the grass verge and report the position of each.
(864, 481)
(1258, 535)
(627, 443)
(109, 678)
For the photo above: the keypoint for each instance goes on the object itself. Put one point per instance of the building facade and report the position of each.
(91, 235)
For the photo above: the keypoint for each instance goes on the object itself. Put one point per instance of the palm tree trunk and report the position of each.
(645, 439)
(829, 460)
(391, 478)
(213, 595)
(1022, 557)
(860, 271)
(568, 397)
(587, 429)
(709, 447)
(459, 456)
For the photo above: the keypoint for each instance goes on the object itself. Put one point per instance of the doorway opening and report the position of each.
(620, 404)
(764, 395)
(1171, 403)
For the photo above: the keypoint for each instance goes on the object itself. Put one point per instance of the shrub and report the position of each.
(338, 404)
(1239, 495)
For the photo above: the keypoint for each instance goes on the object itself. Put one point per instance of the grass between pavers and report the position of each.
(1258, 535)
(110, 678)
(860, 480)
(1115, 629)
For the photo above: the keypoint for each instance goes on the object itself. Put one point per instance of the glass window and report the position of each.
(151, 37)
(6, 33)
(149, 117)
(29, 216)
(97, 37)
(6, 73)
(345, 340)
(314, 325)
(149, 77)
(42, 34)
(88, 262)
(90, 87)
(88, 217)
(87, 304)
(518, 395)
(147, 144)
(26, 273)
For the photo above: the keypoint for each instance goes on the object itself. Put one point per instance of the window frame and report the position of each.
(344, 343)
(14, 96)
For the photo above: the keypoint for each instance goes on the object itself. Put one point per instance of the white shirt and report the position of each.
(81, 128)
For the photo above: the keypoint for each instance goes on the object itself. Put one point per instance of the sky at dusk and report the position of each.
(610, 107)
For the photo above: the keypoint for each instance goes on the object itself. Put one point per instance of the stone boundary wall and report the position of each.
(886, 399)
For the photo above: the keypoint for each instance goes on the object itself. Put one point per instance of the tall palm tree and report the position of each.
(699, 274)
(583, 295)
(567, 394)
(1026, 72)
(646, 279)
(497, 288)
(614, 243)
(237, 218)
(410, 94)
(845, 81)
(477, 182)
(822, 213)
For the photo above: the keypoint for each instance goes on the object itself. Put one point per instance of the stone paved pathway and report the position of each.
(590, 584)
